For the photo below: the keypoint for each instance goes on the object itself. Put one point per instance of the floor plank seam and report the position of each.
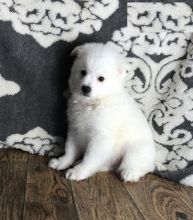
(77, 213)
(135, 202)
(25, 187)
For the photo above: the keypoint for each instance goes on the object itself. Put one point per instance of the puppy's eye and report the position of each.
(101, 78)
(83, 73)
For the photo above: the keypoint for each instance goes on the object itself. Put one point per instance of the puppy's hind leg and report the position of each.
(138, 161)
(72, 152)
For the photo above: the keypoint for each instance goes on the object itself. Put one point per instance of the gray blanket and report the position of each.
(36, 38)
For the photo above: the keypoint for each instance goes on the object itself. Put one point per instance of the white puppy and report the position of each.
(106, 126)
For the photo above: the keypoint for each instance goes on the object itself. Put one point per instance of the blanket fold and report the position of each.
(35, 43)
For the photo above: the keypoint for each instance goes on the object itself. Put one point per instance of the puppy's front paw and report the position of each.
(131, 176)
(58, 164)
(76, 174)
(53, 163)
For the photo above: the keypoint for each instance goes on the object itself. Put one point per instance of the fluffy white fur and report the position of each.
(106, 126)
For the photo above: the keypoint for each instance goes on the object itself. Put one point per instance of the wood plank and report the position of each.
(13, 155)
(104, 197)
(157, 200)
(45, 185)
(12, 190)
(35, 211)
(185, 192)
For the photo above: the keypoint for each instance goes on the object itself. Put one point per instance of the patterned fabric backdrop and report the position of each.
(36, 38)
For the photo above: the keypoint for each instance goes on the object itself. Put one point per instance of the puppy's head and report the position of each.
(98, 71)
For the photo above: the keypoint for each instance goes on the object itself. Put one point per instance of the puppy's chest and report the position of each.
(83, 118)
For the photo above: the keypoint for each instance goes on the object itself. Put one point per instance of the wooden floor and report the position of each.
(29, 190)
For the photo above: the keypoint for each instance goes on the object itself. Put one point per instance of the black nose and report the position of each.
(86, 89)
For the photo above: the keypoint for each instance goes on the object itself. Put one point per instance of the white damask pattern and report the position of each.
(36, 140)
(156, 17)
(188, 181)
(8, 87)
(48, 21)
(161, 77)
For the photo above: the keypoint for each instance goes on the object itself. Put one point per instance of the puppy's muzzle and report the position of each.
(86, 90)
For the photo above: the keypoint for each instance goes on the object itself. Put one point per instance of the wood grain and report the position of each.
(12, 190)
(103, 197)
(184, 192)
(45, 184)
(32, 191)
(157, 200)
(13, 155)
(35, 211)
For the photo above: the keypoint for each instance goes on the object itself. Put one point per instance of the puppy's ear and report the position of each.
(77, 50)
(80, 49)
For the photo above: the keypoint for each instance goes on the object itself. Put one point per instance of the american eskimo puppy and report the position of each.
(106, 126)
